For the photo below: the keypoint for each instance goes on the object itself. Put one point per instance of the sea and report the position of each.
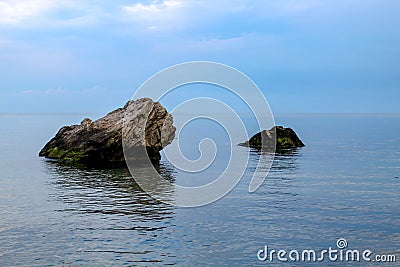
(339, 193)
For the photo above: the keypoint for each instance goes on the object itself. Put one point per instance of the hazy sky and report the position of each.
(306, 56)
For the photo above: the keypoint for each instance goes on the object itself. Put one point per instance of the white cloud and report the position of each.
(155, 7)
(159, 15)
(26, 92)
(175, 15)
(56, 91)
(12, 12)
(181, 14)
(61, 91)
(50, 13)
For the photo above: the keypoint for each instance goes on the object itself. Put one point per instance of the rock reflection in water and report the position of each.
(277, 189)
(286, 160)
(105, 211)
(107, 191)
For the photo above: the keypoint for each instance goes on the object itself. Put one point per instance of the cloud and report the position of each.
(61, 91)
(155, 7)
(12, 12)
(56, 91)
(158, 15)
(192, 15)
(27, 92)
(50, 13)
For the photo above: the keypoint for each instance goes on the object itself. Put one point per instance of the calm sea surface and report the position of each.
(344, 184)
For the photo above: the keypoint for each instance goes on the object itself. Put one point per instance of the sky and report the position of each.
(70, 56)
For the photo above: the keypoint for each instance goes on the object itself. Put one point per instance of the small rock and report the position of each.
(277, 136)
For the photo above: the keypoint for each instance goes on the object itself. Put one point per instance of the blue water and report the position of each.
(344, 184)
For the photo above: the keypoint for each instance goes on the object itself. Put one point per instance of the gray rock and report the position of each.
(148, 128)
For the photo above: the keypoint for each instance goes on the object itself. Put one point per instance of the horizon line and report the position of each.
(277, 114)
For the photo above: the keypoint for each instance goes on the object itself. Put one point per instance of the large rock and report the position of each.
(141, 125)
(279, 136)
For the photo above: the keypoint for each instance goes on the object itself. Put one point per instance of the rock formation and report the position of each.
(140, 126)
(279, 136)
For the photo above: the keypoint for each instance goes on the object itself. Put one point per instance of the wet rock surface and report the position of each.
(278, 136)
